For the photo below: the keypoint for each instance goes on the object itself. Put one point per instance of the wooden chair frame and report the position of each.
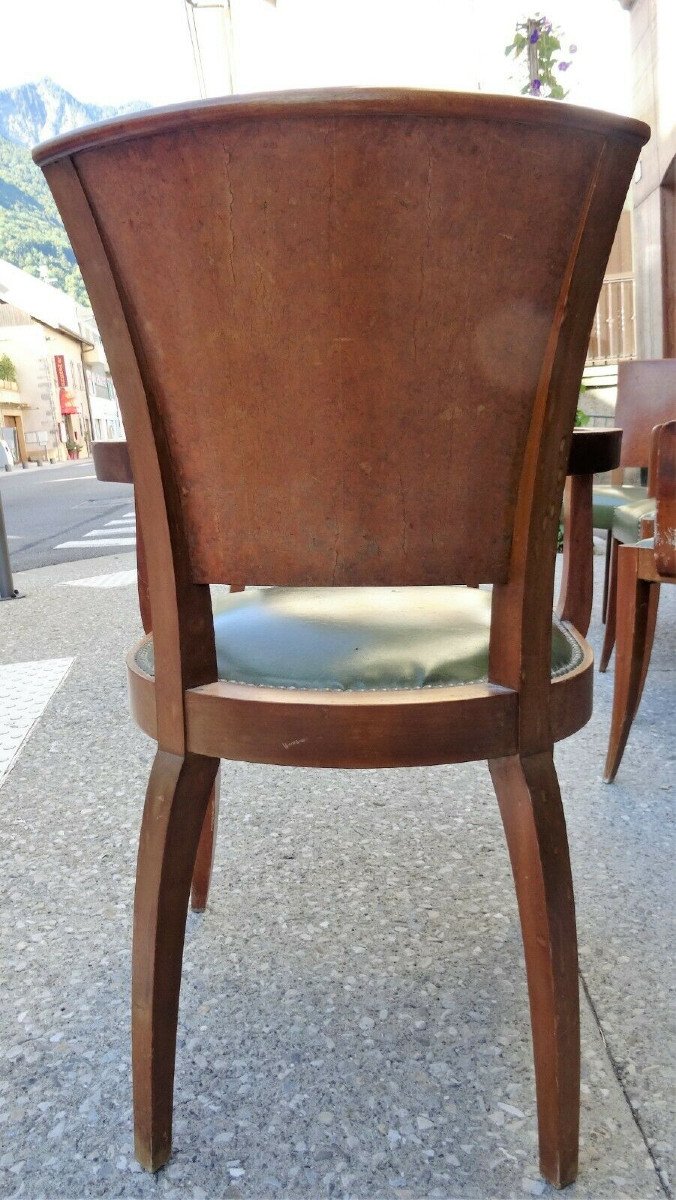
(641, 571)
(512, 719)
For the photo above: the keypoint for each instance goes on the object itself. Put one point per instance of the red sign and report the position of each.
(68, 402)
(61, 377)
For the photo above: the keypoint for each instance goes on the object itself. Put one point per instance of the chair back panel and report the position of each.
(342, 326)
(343, 315)
(646, 397)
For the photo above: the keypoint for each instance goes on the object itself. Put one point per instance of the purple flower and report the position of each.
(535, 86)
(534, 37)
(563, 66)
(546, 25)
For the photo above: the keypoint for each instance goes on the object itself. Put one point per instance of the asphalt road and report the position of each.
(46, 507)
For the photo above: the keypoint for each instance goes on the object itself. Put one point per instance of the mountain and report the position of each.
(31, 233)
(36, 111)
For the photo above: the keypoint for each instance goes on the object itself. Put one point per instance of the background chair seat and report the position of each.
(607, 497)
(358, 639)
(628, 518)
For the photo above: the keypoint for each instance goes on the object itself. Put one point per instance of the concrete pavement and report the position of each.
(354, 1015)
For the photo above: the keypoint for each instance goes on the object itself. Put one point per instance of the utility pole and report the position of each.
(226, 10)
(7, 589)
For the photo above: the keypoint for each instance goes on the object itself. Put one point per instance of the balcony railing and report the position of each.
(614, 331)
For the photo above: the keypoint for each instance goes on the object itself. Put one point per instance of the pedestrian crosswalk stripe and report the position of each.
(113, 579)
(107, 541)
(122, 521)
(107, 533)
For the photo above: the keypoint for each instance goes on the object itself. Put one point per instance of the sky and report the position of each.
(116, 51)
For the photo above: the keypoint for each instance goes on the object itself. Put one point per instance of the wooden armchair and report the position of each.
(347, 330)
(641, 570)
(646, 397)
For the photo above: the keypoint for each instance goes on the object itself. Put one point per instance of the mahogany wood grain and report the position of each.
(523, 605)
(328, 373)
(532, 814)
(177, 601)
(341, 361)
(204, 862)
(176, 801)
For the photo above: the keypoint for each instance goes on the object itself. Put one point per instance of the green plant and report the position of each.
(7, 369)
(581, 418)
(540, 41)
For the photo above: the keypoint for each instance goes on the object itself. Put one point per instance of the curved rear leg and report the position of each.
(611, 608)
(637, 602)
(176, 800)
(606, 576)
(201, 876)
(530, 805)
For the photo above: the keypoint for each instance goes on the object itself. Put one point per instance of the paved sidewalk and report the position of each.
(354, 1015)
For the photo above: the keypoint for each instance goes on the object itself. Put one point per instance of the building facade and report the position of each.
(653, 40)
(61, 395)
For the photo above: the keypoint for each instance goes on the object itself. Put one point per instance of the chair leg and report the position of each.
(176, 800)
(637, 601)
(611, 609)
(201, 876)
(532, 814)
(606, 576)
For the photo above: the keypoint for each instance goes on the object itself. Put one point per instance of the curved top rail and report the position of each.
(340, 102)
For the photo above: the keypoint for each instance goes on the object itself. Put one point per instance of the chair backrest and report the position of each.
(646, 396)
(347, 330)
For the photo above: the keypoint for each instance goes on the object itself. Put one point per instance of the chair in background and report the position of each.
(646, 397)
(347, 330)
(641, 570)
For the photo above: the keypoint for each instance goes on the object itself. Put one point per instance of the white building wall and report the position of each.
(33, 349)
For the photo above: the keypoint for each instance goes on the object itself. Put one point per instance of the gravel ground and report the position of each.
(353, 1016)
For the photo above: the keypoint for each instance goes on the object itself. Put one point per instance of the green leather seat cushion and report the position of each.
(627, 520)
(606, 497)
(345, 639)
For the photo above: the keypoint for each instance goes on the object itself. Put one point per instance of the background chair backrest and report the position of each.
(646, 396)
(358, 319)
